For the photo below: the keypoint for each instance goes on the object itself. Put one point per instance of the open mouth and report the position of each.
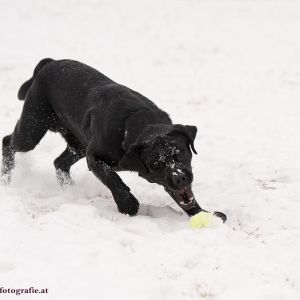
(184, 197)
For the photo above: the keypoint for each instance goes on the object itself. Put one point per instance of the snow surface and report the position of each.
(230, 68)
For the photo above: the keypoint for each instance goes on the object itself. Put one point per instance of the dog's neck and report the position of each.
(139, 121)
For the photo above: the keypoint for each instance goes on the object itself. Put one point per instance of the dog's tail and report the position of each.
(27, 84)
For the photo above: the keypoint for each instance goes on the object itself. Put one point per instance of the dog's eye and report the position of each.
(176, 155)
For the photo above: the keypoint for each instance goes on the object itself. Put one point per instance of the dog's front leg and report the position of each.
(126, 202)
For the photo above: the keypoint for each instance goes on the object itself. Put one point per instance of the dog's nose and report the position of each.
(181, 180)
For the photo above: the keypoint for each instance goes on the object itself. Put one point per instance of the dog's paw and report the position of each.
(127, 204)
(222, 216)
(64, 179)
(5, 177)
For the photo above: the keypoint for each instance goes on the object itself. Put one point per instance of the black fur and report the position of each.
(115, 127)
(27, 84)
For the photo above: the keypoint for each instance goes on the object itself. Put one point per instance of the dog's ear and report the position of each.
(188, 131)
(131, 160)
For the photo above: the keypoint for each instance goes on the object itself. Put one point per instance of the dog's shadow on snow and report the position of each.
(159, 211)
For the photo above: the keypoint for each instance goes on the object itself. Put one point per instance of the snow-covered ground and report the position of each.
(230, 68)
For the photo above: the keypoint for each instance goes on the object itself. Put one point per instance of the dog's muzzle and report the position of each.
(184, 197)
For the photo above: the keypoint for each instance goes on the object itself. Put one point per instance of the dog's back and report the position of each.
(66, 75)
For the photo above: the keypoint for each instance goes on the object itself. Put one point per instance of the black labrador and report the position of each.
(114, 127)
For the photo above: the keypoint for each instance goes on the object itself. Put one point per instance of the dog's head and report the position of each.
(163, 155)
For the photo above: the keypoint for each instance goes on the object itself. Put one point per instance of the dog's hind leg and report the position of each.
(8, 161)
(73, 153)
(64, 162)
(28, 132)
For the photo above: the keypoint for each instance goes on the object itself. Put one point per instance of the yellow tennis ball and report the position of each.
(202, 219)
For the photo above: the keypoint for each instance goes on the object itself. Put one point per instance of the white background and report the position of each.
(230, 68)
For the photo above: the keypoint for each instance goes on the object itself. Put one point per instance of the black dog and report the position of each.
(115, 127)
